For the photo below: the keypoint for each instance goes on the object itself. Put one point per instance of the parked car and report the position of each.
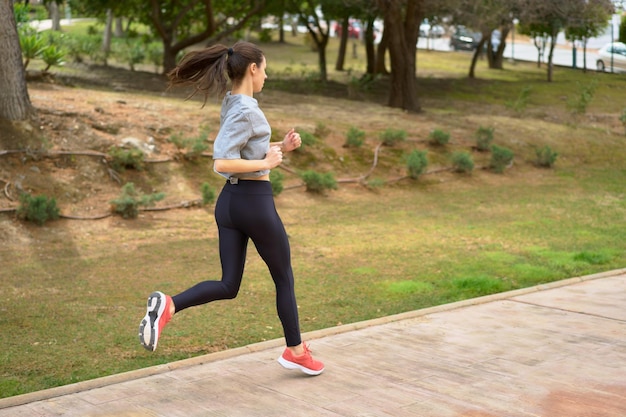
(617, 50)
(428, 30)
(354, 29)
(464, 39)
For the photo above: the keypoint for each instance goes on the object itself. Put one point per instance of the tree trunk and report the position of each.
(321, 53)
(402, 27)
(169, 56)
(55, 16)
(550, 55)
(119, 28)
(381, 52)
(477, 52)
(106, 37)
(14, 100)
(496, 58)
(370, 52)
(343, 43)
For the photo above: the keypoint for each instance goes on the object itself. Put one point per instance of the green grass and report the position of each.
(72, 296)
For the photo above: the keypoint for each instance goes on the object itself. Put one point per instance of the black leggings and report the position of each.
(246, 211)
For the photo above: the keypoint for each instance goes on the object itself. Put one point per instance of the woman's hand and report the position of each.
(292, 141)
(274, 157)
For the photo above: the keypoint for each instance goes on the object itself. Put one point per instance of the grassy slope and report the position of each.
(72, 301)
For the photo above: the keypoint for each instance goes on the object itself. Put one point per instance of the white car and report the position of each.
(616, 51)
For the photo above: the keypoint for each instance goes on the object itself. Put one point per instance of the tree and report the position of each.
(551, 16)
(14, 100)
(486, 16)
(181, 24)
(317, 25)
(587, 22)
(402, 21)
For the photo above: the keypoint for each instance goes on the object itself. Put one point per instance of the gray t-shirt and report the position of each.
(244, 133)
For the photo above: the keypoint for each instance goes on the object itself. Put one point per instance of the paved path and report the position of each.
(557, 350)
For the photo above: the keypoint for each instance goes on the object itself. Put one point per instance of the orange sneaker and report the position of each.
(157, 316)
(304, 362)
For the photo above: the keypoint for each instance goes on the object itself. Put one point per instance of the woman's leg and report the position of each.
(233, 246)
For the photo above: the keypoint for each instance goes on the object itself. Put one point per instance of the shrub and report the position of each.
(128, 203)
(32, 47)
(208, 194)
(501, 158)
(318, 183)
(579, 104)
(121, 159)
(38, 209)
(546, 157)
(265, 35)
(276, 180)
(354, 138)
(133, 52)
(438, 137)
(392, 136)
(519, 105)
(462, 162)
(193, 146)
(308, 139)
(376, 183)
(416, 163)
(52, 56)
(484, 137)
(154, 50)
(321, 130)
(622, 119)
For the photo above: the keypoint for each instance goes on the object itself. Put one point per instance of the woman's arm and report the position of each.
(291, 142)
(272, 159)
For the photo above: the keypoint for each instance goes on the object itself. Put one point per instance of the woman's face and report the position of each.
(259, 76)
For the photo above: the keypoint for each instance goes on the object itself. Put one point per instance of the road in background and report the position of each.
(526, 51)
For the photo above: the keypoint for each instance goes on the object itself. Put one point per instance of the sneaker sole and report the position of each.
(150, 322)
(291, 365)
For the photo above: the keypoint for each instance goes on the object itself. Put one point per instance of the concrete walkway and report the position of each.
(556, 350)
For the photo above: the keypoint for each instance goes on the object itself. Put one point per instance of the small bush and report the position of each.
(265, 35)
(32, 47)
(132, 52)
(122, 159)
(416, 163)
(438, 137)
(501, 158)
(519, 105)
(276, 180)
(622, 119)
(154, 51)
(308, 139)
(392, 136)
(376, 183)
(193, 147)
(318, 183)
(321, 130)
(38, 209)
(128, 203)
(546, 157)
(579, 104)
(462, 162)
(354, 138)
(208, 194)
(53, 57)
(484, 137)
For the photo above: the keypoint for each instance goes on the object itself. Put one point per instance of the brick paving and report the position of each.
(556, 350)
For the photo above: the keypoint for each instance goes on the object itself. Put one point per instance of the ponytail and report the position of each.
(209, 70)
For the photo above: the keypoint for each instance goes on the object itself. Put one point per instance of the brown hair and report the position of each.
(210, 69)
